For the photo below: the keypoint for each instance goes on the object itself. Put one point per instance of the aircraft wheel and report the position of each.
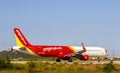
(98, 59)
(58, 60)
(70, 60)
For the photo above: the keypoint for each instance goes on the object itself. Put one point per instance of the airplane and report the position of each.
(60, 52)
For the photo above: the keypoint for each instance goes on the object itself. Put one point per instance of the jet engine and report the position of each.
(83, 57)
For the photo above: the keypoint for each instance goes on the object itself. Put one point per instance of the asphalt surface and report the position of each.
(79, 62)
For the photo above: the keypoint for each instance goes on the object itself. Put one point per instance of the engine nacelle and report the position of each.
(84, 57)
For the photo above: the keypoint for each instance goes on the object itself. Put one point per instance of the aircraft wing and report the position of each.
(76, 54)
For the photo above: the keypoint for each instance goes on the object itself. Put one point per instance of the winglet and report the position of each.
(83, 46)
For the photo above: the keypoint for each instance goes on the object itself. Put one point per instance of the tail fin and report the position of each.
(21, 41)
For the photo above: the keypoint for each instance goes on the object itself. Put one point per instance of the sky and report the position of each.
(62, 22)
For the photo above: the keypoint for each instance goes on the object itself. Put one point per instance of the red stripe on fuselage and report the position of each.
(53, 51)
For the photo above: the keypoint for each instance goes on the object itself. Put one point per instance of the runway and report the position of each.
(79, 62)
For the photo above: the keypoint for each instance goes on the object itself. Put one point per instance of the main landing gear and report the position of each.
(59, 60)
(70, 60)
(98, 59)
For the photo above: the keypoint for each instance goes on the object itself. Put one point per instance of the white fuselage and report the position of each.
(93, 51)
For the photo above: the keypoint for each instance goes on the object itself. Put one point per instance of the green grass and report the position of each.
(58, 68)
(39, 67)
